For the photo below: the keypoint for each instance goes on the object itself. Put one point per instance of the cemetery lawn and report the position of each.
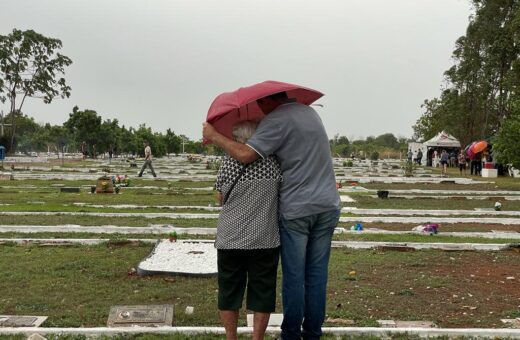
(76, 286)
(137, 221)
(366, 201)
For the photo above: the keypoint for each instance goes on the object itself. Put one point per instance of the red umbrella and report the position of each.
(469, 150)
(479, 146)
(232, 107)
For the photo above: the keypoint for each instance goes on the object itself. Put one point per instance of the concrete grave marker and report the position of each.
(274, 321)
(36, 336)
(21, 320)
(514, 323)
(406, 324)
(140, 315)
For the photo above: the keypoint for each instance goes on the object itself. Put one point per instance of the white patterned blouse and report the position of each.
(249, 218)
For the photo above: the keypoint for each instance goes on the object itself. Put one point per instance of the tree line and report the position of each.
(85, 131)
(481, 98)
(385, 145)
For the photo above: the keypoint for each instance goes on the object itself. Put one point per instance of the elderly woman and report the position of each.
(247, 237)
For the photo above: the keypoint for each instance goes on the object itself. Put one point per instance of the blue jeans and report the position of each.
(305, 259)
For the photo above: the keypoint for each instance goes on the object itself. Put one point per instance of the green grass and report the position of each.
(99, 221)
(76, 286)
(365, 201)
(137, 197)
(135, 182)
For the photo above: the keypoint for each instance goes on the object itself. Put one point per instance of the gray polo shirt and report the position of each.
(295, 134)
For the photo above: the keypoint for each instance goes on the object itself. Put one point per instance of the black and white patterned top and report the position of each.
(249, 218)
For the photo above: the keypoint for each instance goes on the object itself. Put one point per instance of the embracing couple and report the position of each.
(279, 196)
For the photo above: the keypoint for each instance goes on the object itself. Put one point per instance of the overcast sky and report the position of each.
(162, 62)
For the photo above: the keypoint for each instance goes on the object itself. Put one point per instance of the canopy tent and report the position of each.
(443, 140)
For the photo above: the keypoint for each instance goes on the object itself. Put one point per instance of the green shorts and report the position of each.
(255, 268)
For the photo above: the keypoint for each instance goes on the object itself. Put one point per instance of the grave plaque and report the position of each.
(140, 315)
(21, 321)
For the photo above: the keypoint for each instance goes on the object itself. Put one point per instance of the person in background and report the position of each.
(453, 159)
(435, 160)
(478, 163)
(444, 162)
(147, 159)
(419, 157)
(461, 159)
(248, 239)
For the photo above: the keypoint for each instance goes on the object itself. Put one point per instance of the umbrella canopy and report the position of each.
(233, 107)
(469, 150)
(479, 146)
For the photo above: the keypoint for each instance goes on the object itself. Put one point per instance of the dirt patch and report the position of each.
(453, 289)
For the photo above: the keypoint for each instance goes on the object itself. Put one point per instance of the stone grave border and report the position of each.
(164, 229)
(164, 330)
(335, 244)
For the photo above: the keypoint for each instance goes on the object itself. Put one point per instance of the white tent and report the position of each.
(443, 140)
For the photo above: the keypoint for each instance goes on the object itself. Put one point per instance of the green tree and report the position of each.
(109, 136)
(483, 83)
(173, 142)
(387, 140)
(340, 145)
(127, 143)
(22, 138)
(30, 66)
(84, 126)
(507, 143)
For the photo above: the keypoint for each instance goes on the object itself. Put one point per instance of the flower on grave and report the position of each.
(172, 236)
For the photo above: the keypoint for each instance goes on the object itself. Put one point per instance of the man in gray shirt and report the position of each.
(309, 204)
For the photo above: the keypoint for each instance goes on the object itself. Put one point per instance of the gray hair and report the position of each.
(244, 130)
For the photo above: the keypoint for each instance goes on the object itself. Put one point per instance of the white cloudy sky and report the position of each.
(161, 62)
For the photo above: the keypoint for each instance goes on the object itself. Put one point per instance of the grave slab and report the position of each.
(189, 258)
(6, 176)
(21, 320)
(345, 198)
(515, 323)
(140, 315)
